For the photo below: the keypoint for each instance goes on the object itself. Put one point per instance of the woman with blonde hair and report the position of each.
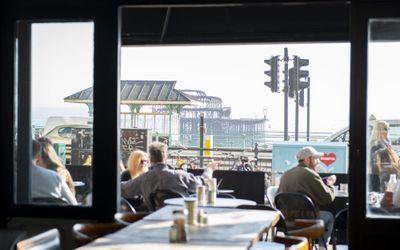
(137, 164)
(50, 160)
(383, 159)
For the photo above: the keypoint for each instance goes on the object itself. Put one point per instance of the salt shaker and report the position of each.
(178, 232)
(202, 218)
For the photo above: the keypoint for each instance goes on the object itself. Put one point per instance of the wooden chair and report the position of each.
(127, 218)
(283, 242)
(84, 233)
(293, 242)
(311, 229)
(48, 240)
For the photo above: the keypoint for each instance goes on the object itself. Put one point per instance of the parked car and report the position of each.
(343, 135)
(63, 129)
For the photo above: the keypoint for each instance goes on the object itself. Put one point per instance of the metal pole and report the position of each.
(201, 151)
(308, 110)
(296, 128)
(285, 93)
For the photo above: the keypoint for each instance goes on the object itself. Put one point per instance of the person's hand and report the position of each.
(331, 180)
(212, 165)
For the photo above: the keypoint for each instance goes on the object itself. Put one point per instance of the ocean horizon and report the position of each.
(41, 114)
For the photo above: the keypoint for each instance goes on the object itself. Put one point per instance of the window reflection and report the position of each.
(383, 135)
(58, 60)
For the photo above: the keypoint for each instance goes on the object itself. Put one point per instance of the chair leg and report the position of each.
(323, 241)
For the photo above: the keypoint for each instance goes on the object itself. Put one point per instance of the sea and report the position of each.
(41, 114)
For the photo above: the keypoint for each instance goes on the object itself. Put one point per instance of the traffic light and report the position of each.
(273, 73)
(301, 74)
(296, 74)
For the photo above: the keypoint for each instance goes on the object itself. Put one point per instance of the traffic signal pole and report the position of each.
(308, 111)
(296, 118)
(285, 94)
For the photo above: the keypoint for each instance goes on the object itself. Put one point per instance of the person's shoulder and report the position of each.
(46, 173)
(43, 170)
(294, 169)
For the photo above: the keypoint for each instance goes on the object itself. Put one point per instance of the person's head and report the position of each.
(45, 140)
(380, 131)
(158, 152)
(48, 157)
(36, 149)
(309, 157)
(137, 163)
(244, 159)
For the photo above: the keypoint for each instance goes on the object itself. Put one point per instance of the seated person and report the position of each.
(162, 176)
(137, 164)
(305, 179)
(47, 183)
(50, 160)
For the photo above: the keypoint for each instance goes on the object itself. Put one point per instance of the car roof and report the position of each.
(54, 121)
(333, 136)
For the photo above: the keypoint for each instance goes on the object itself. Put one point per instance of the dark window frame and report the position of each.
(106, 98)
(364, 233)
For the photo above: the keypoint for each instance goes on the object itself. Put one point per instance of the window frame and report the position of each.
(106, 100)
(364, 232)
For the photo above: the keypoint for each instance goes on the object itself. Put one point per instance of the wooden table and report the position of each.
(228, 228)
(219, 202)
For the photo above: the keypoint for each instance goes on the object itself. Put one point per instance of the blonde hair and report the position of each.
(378, 131)
(134, 166)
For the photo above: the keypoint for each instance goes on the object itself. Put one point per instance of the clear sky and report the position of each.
(235, 73)
(62, 64)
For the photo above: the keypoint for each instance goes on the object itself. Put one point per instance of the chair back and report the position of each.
(339, 233)
(126, 206)
(158, 197)
(128, 217)
(312, 229)
(84, 233)
(295, 206)
(271, 193)
(48, 240)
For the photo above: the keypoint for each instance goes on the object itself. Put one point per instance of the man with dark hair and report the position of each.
(305, 179)
(47, 183)
(162, 177)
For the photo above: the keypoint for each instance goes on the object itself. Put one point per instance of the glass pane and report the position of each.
(59, 68)
(383, 145)
(239, 88)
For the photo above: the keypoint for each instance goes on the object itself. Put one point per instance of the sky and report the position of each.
(62, 64)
